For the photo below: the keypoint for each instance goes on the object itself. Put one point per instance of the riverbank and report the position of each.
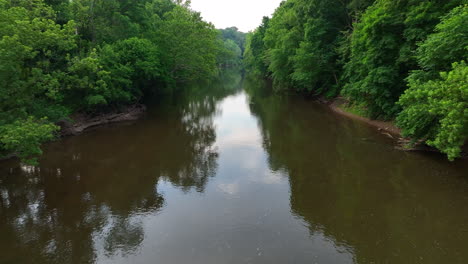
(337, 104)
(81, 122)
(387, 128)
(219, 173)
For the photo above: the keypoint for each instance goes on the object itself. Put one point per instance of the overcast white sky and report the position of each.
(244, 14)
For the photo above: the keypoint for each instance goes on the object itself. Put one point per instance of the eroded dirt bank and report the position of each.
(387, 128)
(383, 126)
(82, 122)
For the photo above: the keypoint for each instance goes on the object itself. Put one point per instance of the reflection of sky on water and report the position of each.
(263, 180)
(236, 127)
(236, 219)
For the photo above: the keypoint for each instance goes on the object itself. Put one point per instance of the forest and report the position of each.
(402, 61)
(60, 57)
(397, 60)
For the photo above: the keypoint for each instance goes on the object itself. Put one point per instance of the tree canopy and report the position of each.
(400, 59)
(62, 57)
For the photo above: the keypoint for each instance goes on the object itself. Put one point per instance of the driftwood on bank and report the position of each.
(82, 122)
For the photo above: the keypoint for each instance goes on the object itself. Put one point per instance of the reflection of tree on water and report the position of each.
(44, 224)
(380, 205)
(194, 159)
(90, 192)
(195, 111)
(124, 236)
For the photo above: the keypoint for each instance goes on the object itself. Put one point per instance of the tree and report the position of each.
(134, 68)
(282, 38)
(92, 56)
(231, 55)
(435, 105)
(301, 45)
(235, 35)
(316, 68)
(255, 51)
(191, 45)
(24, 136)
(33, 51)
(381, 58)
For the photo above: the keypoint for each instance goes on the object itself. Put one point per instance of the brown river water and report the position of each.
(234, 175)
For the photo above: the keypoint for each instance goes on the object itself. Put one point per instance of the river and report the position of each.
(235, 175)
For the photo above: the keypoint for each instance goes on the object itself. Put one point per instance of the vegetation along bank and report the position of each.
(95, 59)
(399, 60)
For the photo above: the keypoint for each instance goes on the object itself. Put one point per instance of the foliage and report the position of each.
(381, 58)
(235, 35)
(299, 46)
(191, 45)
(435, 107)
(234, 46)
(281, 40)
(255, 50)
(33, 52)
(372, 76)
(437, 110)
(83, 85)
(25, 136)
(108, 21)
(232, 54)
(371, 52)
(448, 44)
(134, 67)
(60, 57)
(315, 61)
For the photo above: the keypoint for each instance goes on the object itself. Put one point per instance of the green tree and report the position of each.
(315, 63)
(33, 53)
(190, 45)
(60, 57)
(282, 38)
(134, 67)
(435, 105)
(108, 20)
(231, 55)
(380, 58)
(24, 136)
(255, 50)
(85, 87)
(301, 45)
(235, 35)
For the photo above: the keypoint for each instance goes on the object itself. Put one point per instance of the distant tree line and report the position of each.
(59, 57)
(392, 59)
(234, 43)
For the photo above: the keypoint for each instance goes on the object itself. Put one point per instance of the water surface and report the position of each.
(234, 177)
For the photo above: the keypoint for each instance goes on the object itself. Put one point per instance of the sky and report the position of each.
(243, 14)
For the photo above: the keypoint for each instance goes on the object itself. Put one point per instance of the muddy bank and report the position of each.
(82, 122)
(387, 128)
(382, 126)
